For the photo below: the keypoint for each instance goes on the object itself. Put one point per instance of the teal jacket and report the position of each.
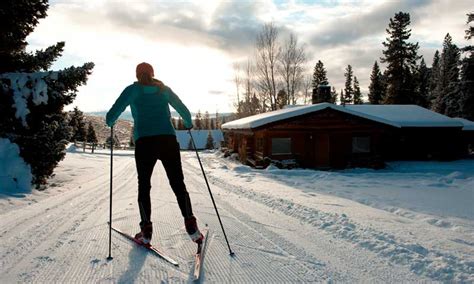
(150, 110)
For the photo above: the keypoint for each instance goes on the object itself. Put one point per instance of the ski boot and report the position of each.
(193, 230)
(144, 236)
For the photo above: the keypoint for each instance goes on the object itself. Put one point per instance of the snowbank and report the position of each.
(15, 173)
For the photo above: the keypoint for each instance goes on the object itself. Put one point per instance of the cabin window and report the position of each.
(281, 146)
(361, 144)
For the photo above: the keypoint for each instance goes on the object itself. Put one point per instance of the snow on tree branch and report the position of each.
(24, 86)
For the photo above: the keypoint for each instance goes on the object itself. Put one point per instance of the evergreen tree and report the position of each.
(43, 133)
(213, 124)
(446, 96)
(357, 93)
(422, 87)
(319, 75)
(342, 99)
(217, 126)
(116, 141)
(131, 143)
(207, 120)
(180, 124)
(348, 89)
(281, 99)
(333, 95)
(434, 76)
(198, 121)
(173, 122)
(254, 105)
(401, 57)
(376, 87)
(78, 125)
(466, 84)
(91, 136)
(319, 78)
(210, 141)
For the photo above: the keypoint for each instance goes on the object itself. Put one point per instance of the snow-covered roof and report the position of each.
(394, 115)
(468, 125)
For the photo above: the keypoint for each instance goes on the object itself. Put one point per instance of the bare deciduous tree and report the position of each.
(238, 83)
(291, 61)
(268, 52)
(307, 88)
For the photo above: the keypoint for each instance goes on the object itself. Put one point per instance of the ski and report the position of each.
(149, 247)
(199, 256)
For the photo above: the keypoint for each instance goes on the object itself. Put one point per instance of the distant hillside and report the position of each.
(127, 115)
(123, 128)
(124, 125)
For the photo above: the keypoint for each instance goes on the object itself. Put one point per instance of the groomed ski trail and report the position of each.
(64, 237)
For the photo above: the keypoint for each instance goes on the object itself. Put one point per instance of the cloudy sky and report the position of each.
(194, 45)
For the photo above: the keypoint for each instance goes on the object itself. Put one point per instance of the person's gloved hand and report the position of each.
(188, 126)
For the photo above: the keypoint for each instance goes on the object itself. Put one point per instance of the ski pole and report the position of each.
(111, 177)
(210, 192)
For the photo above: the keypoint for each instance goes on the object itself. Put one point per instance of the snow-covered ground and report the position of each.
(411, 222)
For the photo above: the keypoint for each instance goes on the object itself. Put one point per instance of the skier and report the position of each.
(155, 138)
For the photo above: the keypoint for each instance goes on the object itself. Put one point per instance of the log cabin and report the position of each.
(329, 136)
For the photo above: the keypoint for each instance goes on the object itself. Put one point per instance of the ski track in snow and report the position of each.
(436, 265)
(63, 237)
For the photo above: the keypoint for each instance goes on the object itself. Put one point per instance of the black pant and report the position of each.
(147, 151)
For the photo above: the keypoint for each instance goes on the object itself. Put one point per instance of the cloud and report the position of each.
(361, 23)
(198, 41)
(236, 24)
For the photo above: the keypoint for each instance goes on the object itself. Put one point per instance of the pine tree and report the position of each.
(348, 89)
(446, 99)
(42, 134)
(401, 57)
(376, 88)
(213, 124)
(422, 86)
(91, 136)
(210, 141)
(131, 142)
(319, 75)
(207, 120)
(466, 84)
(434, 76)
(198, 121)
(357, 93)
(281, 99)
(180, 124)
(116, 141)
(78, 125)
(342, 99)
(217, 126)
(319, 78)
(333, 95)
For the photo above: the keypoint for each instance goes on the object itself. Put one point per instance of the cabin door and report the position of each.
(321, 150)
